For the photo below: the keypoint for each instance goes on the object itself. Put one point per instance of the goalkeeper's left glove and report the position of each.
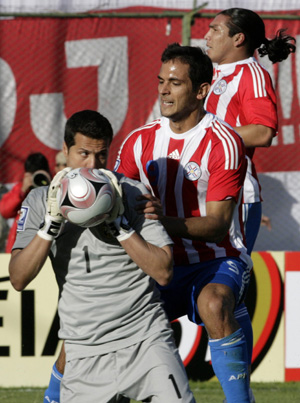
(120, 228)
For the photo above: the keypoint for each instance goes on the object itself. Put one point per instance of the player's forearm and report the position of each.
(154, 261)
(256, 135)
(25, 264)
(206, 229)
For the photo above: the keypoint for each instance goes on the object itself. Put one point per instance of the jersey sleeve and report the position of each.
(125, 162)
(32, 215)
(227, 167)
(257, 98)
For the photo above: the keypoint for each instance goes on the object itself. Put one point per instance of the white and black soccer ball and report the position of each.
(86, 197)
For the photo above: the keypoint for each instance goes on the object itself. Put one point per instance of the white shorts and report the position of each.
(151, 371)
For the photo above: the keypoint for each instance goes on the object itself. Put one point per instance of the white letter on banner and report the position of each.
(8, 100)
(286, 91)
(47, 118)
(189, 332)
(110, 56)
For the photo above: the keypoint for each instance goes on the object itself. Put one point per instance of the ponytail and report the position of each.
(279, 47)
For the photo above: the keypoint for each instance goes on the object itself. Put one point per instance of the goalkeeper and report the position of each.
(118, 341)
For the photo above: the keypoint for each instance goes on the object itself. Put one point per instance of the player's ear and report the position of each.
(65, 149)
(239, 39)
(203, 90)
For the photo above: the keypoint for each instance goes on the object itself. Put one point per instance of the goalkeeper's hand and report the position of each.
(118, 208)
(53, 219)
(120, 228)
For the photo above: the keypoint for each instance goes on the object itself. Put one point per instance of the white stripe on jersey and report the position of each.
(258, 80)
(229, 145)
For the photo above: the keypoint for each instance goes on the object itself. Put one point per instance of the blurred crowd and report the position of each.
(36, 173)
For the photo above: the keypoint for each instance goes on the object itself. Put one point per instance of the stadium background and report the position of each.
(53, 64)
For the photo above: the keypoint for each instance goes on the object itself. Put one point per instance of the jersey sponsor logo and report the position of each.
(22, 219)
(192, 171)
(152, 172)
(117, 164)
(220, 87)
(174, 155)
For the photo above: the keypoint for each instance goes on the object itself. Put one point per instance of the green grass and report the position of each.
(204, 392)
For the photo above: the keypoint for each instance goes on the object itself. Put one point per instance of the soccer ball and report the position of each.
(86, 196)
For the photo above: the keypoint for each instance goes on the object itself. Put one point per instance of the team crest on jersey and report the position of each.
(192, 171)
(220, 87)
(22, 218)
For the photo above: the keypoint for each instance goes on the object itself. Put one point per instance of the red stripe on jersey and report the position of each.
(132, 148)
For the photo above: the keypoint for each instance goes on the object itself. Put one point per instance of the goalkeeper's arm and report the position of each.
(155, 261)
(25, 264)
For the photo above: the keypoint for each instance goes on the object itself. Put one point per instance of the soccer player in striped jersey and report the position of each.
(242, 94)
(195, 165)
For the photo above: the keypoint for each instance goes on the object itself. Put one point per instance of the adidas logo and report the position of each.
(174, 155)
(236, 378)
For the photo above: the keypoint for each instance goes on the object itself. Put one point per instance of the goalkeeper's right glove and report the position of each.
(54, 220)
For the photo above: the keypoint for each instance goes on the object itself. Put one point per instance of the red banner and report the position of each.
(51, 68)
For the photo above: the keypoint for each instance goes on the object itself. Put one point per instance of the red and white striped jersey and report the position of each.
(241, 94)
(185, 171)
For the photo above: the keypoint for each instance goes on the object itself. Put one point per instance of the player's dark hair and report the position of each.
(89, 123)
(36, 162)
(252, 26)
(201, 68)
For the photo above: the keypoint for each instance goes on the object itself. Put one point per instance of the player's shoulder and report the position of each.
(220, 129)
(146, 129)
(253, 68)
(36, 195)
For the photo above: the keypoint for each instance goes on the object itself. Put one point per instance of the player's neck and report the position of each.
(184, 125)
(235, 57)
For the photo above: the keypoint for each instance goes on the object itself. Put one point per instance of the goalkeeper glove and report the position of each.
(120, 228)
(118, 208)
(52, 224)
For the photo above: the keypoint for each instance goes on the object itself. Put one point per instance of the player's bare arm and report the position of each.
(25, 264)
(154, 261)
(256, 135)
(211, 228)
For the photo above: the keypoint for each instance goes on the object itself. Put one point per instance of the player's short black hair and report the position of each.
(89, 123)
(252, 26)
(36, 162)
(200, 65)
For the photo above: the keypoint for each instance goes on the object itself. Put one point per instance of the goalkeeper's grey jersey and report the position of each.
(106, 302)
